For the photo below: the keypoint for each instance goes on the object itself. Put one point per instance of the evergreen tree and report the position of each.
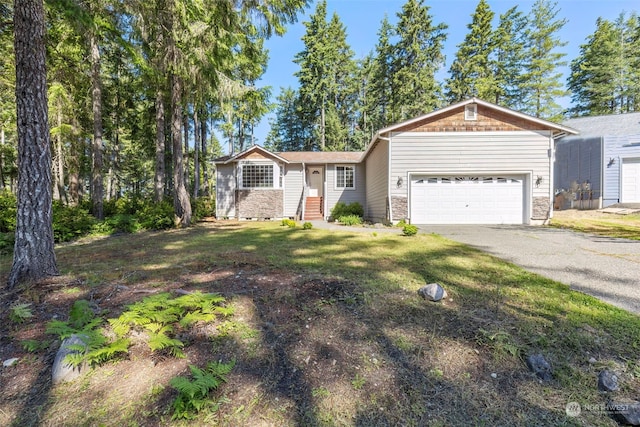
(508, 58)
(542, 85)
(379, 88)
(417, 57)
(326, 70)
(603, 77)
(471, 73)
(288, 132)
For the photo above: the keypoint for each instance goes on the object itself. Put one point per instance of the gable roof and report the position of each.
(607, 125)
(557, 129)
(263, 151)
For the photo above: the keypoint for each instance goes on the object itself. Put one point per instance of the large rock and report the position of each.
(432, 292)
(627, 413)
(63, 371)
(539, 366)
(607, 381)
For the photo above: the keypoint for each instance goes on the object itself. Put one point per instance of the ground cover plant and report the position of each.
(326, 328)
(596, 222)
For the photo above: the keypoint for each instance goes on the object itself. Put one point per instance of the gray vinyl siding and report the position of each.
(377, 186)
(225, 191)
(617, 148)
(335, 195)
(579, 160)
(472, 152)
(293, 187)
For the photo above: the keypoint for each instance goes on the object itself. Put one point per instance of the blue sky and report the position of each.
(362, 20)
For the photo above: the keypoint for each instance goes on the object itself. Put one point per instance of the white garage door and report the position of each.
(467, 199)
(630, 181)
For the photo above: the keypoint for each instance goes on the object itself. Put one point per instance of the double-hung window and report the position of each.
(257, 175)
(345, 177)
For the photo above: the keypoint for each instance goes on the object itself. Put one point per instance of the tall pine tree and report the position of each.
(417, 56)
(470, 72)
(508, 58)
(542, 84)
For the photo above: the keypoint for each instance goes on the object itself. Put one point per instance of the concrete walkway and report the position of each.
(604, 267)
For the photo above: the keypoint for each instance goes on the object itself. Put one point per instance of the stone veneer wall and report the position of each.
(399, 208)
(541, 207)
(259, 204)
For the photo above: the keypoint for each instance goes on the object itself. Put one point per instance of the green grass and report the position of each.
(369, 350)
(620, 226)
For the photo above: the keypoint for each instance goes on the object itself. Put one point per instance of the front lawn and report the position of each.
(327, 329)
(595, 222)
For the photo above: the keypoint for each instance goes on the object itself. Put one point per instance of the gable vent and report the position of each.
(471, 112)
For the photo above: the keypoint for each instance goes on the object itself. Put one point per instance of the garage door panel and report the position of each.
(467, 200)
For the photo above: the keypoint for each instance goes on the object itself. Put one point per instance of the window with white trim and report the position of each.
(257, 175)
(346, 177)
(471, 112)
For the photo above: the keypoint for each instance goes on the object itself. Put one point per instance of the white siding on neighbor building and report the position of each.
(225, 191)
(469, 153)
(377, 187)
(293, 187)
(617, 148)
(335, 195)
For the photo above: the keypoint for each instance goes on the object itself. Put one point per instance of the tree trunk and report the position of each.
(97, 186)
(181, 201)
(196, 154)
(203, 140)
(58, 185)
(33, 257)
(160, 152)
(185, 152)
(1, 159)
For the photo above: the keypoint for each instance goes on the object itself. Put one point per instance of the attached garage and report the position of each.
(469, 199)
(630, 180)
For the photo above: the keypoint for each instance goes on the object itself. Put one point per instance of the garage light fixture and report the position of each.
(400, 181)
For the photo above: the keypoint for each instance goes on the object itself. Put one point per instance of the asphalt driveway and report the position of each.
(604, 267)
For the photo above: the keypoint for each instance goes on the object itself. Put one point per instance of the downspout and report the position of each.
(552, 156)
(388, 177)
(325, 192)
(304, 190)
(602, 174)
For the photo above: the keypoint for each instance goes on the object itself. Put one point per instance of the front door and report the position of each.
(316, 180)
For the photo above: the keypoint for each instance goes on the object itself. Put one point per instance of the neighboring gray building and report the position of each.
(469, 163)
(600, 166)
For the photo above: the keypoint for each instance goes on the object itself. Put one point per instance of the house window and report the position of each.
(471, 112)
(345, 177)
(255, 175)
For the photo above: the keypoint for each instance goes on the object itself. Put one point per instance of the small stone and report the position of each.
(9, 362)
(494, 375)
(607, 381)
(539, 366)
(432, 292)
(627, 413)
(63, 371)
(592, 360)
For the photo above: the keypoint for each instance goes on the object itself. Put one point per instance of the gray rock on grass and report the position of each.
(539, 366)
(432, 292)
(63, 371)
(627, 413)
(607, 381)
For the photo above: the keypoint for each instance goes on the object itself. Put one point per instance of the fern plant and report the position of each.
(83, 322)
(18, 313)
(160, 315)
(193, 394)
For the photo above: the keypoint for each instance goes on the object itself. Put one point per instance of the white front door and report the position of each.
(316, 180)
(467, 199)
(630, 187)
